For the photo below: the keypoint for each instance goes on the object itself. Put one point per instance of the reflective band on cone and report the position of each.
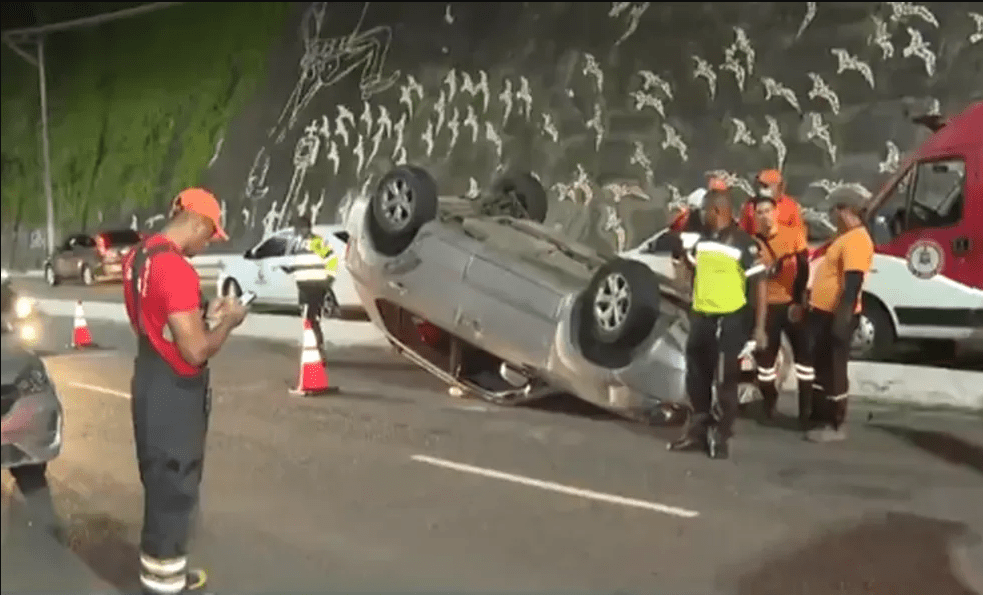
(81, 338)
(313, 369)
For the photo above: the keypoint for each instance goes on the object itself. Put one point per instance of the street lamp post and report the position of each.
(46, 146)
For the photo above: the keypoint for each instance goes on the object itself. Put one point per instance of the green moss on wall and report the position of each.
(136, 108)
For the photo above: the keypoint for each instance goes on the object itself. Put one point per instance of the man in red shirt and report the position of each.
(170, 393)
(769, 184)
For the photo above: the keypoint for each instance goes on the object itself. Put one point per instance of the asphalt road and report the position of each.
(391, 485)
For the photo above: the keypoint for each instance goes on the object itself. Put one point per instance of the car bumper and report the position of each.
(111, 271)
(32, 430)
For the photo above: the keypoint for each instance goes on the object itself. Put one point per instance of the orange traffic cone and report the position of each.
(313, 369)
(81, 338)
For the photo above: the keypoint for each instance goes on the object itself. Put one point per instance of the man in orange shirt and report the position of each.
(834, 307)
(784, 252)
(770, 184)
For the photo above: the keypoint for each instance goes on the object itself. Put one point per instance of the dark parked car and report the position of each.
(91, 258)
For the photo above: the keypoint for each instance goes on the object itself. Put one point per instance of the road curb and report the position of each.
(339, 333)
(924, 386)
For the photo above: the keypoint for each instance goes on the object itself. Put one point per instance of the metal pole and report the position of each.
(45, 146)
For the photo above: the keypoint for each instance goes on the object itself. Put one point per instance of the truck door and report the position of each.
(921, 270)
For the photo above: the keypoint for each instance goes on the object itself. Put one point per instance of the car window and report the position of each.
(298, 245)
(271, 248)
(84, 241)
(938, 195)
(889, 220)
(121, 236)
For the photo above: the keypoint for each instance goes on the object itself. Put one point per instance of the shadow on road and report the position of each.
(895, 554)
(102, 543)
(945, 446)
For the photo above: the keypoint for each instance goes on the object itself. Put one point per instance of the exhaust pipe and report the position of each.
(512, 376)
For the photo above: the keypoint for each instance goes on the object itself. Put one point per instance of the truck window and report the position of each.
(939, 194)
(889, 221)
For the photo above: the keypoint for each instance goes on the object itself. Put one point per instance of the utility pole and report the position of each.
(46, 146)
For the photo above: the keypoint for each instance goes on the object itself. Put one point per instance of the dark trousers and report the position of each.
(798, 333)
(170, 421)
(831, 357)
(32, 482)
(312, 296)
(712, 350)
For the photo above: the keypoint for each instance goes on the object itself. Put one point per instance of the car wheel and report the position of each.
(88, 278)
(230, 288)
(874, 337)
(50, 276)
(330, 309)
(623, 301)
(404, 201)
(526, 197)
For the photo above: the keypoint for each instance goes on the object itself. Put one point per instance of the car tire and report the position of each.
(50, 276)
(623, 303)
(405, 199)
(231, 288)
(528, 192)
(87, 276)
(875, 336)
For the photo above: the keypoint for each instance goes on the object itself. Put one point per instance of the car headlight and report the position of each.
(33, 379)
(23, 307)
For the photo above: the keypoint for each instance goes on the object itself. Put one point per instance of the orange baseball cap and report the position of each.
(770, 176)
(203, 202)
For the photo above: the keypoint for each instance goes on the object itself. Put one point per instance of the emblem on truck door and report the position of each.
(925, 259)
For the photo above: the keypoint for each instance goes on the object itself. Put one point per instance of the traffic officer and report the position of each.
(315, 278)
(834, 308)
(770, 184)
(728, 302)
(785, 254)
(170, 391)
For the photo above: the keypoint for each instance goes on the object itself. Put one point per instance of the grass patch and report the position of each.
(136, 108)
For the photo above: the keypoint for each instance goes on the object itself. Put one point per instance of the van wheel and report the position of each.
(874, 336)
(404, 201)
(230, 288)
(522, 196)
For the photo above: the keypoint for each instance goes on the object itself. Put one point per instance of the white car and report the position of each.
(265, 269)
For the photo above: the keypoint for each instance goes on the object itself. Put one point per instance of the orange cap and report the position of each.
(203, 202)
(718, 184)
(770, 176)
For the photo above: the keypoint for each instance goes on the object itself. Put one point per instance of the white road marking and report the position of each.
(557, 487)
(100, 389)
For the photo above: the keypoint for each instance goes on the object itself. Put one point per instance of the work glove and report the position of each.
(749, 348)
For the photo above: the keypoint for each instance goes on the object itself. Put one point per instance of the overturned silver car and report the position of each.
(503, 307)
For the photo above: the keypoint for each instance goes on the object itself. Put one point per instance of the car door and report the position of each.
(274, 277)
(259, 282)
(920, 270)
(62, 258)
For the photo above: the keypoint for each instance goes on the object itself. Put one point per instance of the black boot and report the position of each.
(769, 396)
(717, 444)
(806, 405)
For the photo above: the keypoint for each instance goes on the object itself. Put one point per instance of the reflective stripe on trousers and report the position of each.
(170, 419)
